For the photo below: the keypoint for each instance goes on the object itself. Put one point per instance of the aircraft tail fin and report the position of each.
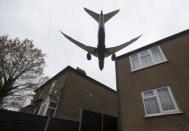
(110, 15)
(106, 16)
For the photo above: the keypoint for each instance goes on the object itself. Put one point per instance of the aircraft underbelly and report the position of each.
(101, 55)
(101, 46)
(101, 36)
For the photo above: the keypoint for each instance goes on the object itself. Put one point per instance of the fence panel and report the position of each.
(62, 125)
(17, 121)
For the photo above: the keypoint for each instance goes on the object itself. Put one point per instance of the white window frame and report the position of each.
(47, 103)
(151, 55)
(155, 94)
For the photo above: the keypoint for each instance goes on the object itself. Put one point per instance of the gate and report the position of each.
(92, 121)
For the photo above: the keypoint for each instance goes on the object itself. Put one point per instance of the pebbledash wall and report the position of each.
(153, 86)
(74, 91)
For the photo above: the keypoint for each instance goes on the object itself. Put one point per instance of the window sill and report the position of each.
(149, 66)
(164, 113)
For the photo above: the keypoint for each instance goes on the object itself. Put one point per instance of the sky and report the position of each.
(41, 20)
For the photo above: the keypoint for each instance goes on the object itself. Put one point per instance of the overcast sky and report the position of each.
(40, 20)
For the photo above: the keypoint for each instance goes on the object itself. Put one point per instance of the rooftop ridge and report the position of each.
(161, 41)
(78, 72)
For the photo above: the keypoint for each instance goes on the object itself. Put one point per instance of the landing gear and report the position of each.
(88, 56)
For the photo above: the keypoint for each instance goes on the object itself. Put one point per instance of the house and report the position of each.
(153, 86)
(69, 92)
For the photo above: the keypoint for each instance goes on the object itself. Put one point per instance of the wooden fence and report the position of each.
(17, 121)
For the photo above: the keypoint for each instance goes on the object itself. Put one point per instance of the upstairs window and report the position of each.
(51, 109)
(159, 102)
(147, 58)
(49, 106)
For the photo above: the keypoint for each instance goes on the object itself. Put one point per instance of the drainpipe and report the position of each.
(47, 123)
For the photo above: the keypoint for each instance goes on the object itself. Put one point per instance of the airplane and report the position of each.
(101, 51)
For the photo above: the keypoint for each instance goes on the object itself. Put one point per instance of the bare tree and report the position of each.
(21, 69)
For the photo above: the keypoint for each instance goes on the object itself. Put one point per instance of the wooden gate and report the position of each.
(92, 121)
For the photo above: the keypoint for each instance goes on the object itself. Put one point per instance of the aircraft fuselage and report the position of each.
(101, 41)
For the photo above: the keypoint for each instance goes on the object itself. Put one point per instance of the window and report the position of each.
(147, 58)
(51, 109)
(48, 107)
(159, 102)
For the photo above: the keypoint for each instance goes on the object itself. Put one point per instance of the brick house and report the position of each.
(71, 90)
(153, 86)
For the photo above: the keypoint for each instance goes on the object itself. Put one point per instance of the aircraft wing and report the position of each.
(112, 50)
(89, 49)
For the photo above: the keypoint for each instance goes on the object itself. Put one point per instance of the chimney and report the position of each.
(81, 71)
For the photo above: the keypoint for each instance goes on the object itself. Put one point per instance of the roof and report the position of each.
(162, 41)
(69, 68)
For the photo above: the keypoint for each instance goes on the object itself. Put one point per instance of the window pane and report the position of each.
(146, 59)
(50, 112)
(53, 104)
(42, 109)
(165, 99)
(151, 105)
(157, 54)
(135, 61)
(148, 93)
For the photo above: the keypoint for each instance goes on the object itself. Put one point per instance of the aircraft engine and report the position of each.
(113, 57)
(88, 56)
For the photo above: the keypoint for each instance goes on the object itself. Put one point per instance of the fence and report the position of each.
(17, 121)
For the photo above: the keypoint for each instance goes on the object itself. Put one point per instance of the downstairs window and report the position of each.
(159, 102)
